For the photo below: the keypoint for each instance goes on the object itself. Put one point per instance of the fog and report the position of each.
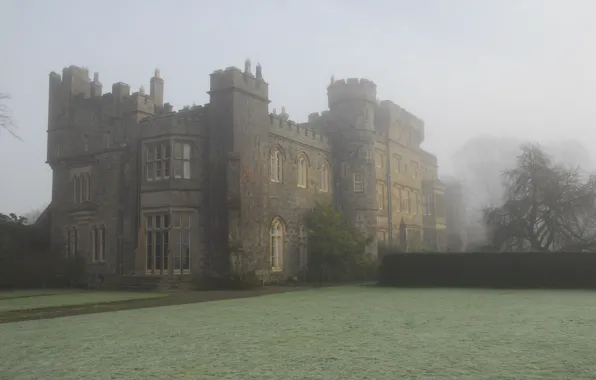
(512, 70)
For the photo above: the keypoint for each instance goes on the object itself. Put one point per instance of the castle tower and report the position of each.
(238, 167)
(352, 104)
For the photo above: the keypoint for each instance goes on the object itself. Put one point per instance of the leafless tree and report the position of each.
(6, 122)
(548, 207)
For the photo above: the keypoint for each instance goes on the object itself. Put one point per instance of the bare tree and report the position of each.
(6, 121)
(548, 207)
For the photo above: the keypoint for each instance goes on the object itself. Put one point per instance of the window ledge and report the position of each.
(276, 269)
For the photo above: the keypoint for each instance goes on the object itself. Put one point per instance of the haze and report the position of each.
(524, 69)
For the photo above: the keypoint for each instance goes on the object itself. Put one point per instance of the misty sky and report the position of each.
(466, 67)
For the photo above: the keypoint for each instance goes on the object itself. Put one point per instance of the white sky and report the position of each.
(524, 68)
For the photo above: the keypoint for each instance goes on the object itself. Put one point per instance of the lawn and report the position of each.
(331, 333)
(26, 300)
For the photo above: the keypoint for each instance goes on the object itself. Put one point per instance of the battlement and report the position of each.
(233, 78)
(396, 114)
(75, 84)
(187, 121)
(351, 89)
(297, 132)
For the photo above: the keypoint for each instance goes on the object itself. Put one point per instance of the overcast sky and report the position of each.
(466, 67)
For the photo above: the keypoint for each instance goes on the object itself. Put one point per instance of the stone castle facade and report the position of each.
(141, 189)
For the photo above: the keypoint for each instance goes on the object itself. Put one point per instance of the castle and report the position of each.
(141, 189)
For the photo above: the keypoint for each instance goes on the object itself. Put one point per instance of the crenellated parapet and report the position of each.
(351, 89)
(392, 117)
(188, 121)
(245, 81)
(300, 133)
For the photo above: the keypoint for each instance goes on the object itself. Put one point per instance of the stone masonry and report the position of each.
(139, 188)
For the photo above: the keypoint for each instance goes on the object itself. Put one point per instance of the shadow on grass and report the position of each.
(174, 298)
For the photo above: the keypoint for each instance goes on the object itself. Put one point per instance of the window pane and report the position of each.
(158, 152)
(150, 155)
(177, 169)
(149, 250)
(166, 221)
(186, 169)
(150, 171)
(176, 252)
(158, 170)
(84, 188)
(165, 250)
(177, 150)
(185, 250)
(166, 168)
(77, 189)
(166, 150)
(158, 250)
(177, 222)
(186, 151)
(157, 222)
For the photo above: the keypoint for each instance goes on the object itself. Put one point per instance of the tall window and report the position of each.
(398, 200)
(72, 242)
(324, 177)
(402, 197)
(180, 242)
(182, 154)
(345, 167)
(276, 166)
(107, 139)
(417, 206)
(397, 163)
(97, 242)
(379, 159)
(380, 195)
(277, 237)
(358, 183)
(81, 187)
(302, 171)
(303, 250)
(157, 166)
(168, 242)
(157, 248)
(427, 205)
(408, 204)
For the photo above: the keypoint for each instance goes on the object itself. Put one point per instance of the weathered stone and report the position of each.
(225, 188)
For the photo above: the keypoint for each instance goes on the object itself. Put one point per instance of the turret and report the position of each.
(352, 102)
(96, 86)
(156, 90)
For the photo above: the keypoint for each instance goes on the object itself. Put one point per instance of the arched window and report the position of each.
(302, 170)
(276, 165)
(277, 244)
(324, 177)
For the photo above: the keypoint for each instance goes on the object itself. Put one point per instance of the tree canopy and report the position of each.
(336, 248)
(547, 207)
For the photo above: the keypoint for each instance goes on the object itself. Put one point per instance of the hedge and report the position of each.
(26, 260)
(556, 270)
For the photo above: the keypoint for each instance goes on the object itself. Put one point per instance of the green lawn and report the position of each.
(33, 300)
(333, 333)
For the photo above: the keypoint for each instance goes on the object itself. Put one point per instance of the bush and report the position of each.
(26, 260)
(490, 270)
